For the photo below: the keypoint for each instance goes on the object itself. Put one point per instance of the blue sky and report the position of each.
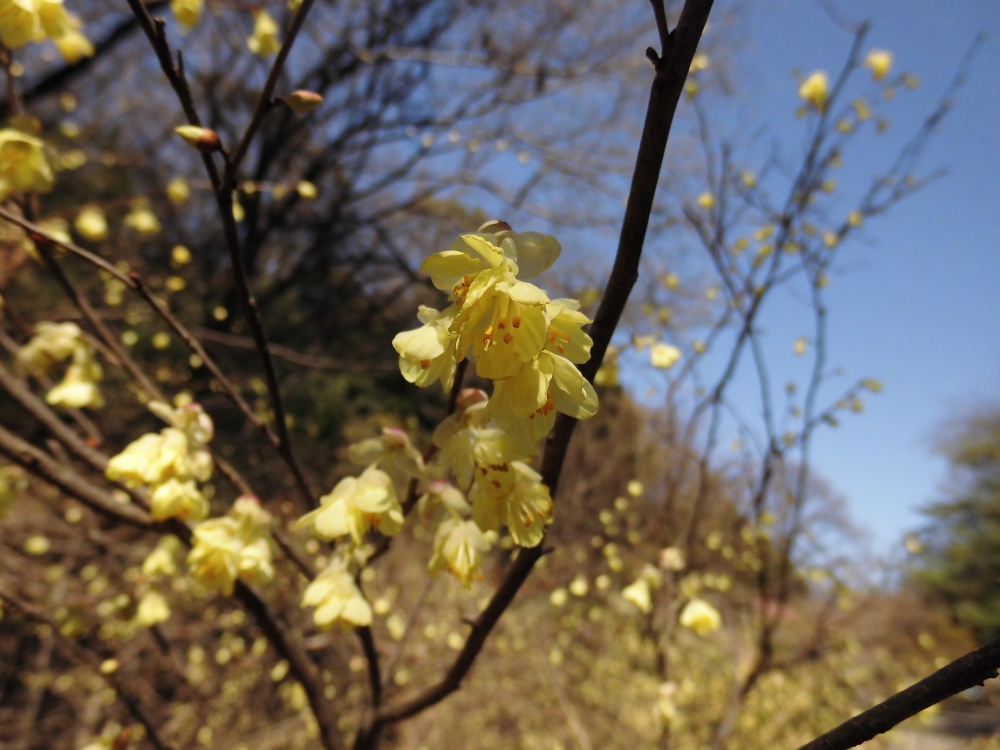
(915, 304)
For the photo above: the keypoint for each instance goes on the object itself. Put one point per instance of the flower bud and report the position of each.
(303, 101)
(205, 140)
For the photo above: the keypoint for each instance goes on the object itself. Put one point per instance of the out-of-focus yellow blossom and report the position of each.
(526, 509)
(91, 223)
(37, 545)
(152, 610)
(174, 499)
(187, 12)
(699, 62)
(177, 452)
(354, 506)
(525, 405)
(162, 560)
(666, 709)
(78, 388)
(52, 343)
(19, 22)
(392, 451)
(56, 22)
(701, 617)
(815, 89)
(264, 41)
(13, 482)
(23, 166)
(306, 190)
(706, 201)
(800, 346)
(337, 598)
(231, 547)
(672, 558)
(635, 488)
(879, 62)
(459, 547)
(57, 228)
(638, 593)
(74, 46)
(664, 356)
(445, 495)
(579, 587)
(855, 218)
(178, 191)
(749, 179)
(180, 256)
(861, 109)
(142, 219)
(427, 354)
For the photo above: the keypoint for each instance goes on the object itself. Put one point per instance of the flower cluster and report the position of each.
(170, 462)
(54, 343)
(481, 478)
(231, 547)
(23, 21)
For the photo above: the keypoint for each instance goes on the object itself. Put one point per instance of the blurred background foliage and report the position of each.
(436, 115)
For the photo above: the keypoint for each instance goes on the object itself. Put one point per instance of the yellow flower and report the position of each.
(459, 547)
(231, 547)
(56, 22)
(174, 499)
(178, 191)
(23, 166)
(306, 190)
(444, 494)
(155, 458)
(607, 374)
(879, 61)
(427, 354)
(392, 450)
(354, 506)
(706, 201)
(815, 89)
(638, 593)
(524, 405)
(471, 449)
(187, 12)
(52, 343)
(188, 417)
(799, 347)
(494, 246)
(19, 22)
(13, 482)
(142, 220)
(74, 46)
(152, 610)
(91, 223)
(663, 356)
(701, 617)
(78, 388)
(566, 336)
(526, 509)
(264, 41)
(672, 558)
(337, 598)
(161, 561)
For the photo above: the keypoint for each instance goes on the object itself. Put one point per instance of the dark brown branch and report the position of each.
(671, 72)
(968, 671)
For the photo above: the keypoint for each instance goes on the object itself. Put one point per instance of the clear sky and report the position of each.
(916, 304)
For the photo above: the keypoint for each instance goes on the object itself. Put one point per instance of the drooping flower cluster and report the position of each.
(170, 462)
(529, 346)
(54, 343)
(23, 21)
(232, 547)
